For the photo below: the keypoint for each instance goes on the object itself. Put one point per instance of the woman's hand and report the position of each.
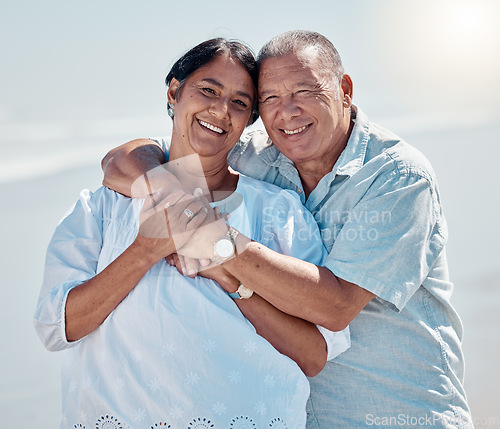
(167, 223)
(201, 244)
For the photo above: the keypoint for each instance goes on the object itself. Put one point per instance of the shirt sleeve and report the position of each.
(294, 232)
(72, 258)
(164, 144)
(389, 241)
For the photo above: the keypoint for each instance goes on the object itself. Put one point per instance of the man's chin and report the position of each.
(295, 154)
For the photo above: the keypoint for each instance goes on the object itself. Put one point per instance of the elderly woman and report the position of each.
(148, 347)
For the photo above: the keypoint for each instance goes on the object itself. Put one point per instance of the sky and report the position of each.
(79, 78)
(95, 61)
(82, 77)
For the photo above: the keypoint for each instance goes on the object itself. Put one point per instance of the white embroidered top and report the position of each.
(177, 352)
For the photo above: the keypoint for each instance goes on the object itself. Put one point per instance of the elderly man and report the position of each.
(376, 201)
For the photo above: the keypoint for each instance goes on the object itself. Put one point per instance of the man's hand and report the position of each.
(201, 244)
(217, 272)
(154, 179)
(204, 268)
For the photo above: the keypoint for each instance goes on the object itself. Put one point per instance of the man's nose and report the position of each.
(288, 108)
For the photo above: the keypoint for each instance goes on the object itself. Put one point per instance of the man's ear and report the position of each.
(346, 85)
(172, 90)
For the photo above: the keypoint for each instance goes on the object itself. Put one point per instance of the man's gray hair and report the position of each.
(296, 41)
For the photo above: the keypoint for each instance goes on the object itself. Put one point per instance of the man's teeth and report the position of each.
(298, 130)
(211, 127)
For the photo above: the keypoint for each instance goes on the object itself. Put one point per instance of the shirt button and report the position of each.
(299, 190)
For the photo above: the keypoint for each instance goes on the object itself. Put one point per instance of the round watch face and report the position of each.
(245, 292)
(224, 248)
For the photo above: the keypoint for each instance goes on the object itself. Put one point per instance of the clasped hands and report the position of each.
(179, 224)
(182, 228)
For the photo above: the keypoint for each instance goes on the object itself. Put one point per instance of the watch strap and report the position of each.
(242, 293)
(235, 295)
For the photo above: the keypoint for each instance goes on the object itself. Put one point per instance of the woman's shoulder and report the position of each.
(104, 203)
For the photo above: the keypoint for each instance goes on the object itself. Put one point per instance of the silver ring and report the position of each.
(188, 213)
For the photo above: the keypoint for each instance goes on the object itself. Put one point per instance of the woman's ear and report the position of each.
(172, 90)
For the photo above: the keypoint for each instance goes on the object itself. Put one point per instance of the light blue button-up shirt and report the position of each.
(381, 221)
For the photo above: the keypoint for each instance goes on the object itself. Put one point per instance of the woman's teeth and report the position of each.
(211, 127)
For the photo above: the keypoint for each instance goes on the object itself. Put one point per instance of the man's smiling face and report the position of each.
(301, 105)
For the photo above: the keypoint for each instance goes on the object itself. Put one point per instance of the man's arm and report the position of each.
(296, 287)
(125, 164)
(411, 240)
(296, 338)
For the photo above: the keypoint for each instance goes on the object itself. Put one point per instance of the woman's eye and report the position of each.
(240, 103)
(208, 90)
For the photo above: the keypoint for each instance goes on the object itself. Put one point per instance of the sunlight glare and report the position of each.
(468, 17)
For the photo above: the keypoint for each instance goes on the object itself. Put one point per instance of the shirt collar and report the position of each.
(272, 156)
(352, 157)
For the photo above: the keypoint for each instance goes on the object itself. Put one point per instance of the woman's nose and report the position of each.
(219, 108)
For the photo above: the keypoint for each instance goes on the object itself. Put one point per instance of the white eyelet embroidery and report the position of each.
(201, 423)
(242, 422)
(238, 422)
(277, 423)
(108, 422)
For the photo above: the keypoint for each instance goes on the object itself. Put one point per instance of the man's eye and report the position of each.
(268, 98)
(208, 90)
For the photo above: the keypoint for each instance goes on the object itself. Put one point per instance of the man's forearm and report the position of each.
(296, 338)
(127, 163)
(299, 288)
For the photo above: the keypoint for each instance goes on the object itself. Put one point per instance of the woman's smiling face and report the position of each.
(212, 107)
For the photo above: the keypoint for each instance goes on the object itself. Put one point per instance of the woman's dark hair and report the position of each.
(205, 52)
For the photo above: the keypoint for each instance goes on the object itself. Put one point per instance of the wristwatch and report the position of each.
(224, 248)
(242, 293)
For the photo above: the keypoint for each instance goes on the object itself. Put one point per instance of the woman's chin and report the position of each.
(208, 150)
